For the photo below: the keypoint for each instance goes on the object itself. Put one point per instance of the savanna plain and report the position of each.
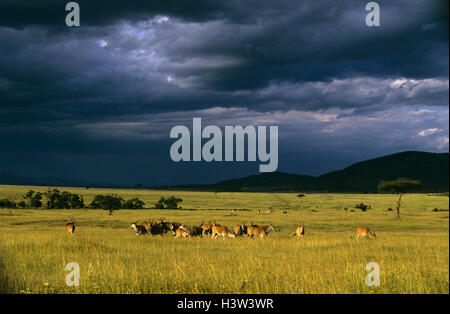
(412, 252)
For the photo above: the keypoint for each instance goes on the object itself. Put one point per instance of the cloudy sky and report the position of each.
(96, 103)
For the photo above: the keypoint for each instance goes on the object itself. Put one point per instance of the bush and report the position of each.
(5, 203)
(107, 202)
(439, 210)
(133, 203)
(63, 200)
(32, 200)
(168, 203)
(362, 206)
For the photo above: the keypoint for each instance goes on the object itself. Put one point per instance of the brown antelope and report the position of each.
(70, 227)
(165, 227)
(182, 232)
(221, 230)
(364, 232)
(196, 231)
(173, 226)
(147, 225)
(259, 231)
(193, 231)
(240, 230)
(206, 228)
(139, 229)
(159, 229)
(251, 228)
(300, 232)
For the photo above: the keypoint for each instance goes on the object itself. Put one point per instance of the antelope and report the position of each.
(364, 232)
(240, 230)
(259, 231)
(251, 228)
(70, 227)
(147, 225)
(300, 232)
(139, 229)
(165, 226)
(221, 230)
(196, 231)
(206, 228)
(159, 228)
(173, 226)
(192, 231)
(181, 232)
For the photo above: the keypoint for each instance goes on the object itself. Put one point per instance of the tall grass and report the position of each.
(413, 252)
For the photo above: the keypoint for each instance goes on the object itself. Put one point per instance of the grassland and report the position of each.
(413, 252)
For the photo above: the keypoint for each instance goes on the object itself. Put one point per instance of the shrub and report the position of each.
(133, 203)
(168, 203)
(32, 200)
(439, 210)
(63, 200)
(5, 203)
(362, 206)
(107, 202)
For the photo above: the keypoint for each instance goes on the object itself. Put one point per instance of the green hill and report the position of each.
(430, 168)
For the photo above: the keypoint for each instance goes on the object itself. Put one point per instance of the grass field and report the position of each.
(413, 252)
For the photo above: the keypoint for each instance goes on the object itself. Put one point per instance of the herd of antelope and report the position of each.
(214, 230)
(211, 228)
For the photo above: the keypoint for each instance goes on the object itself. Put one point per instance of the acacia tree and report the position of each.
(169, 203)
(107, 202)
(32, 200)
(399, 186)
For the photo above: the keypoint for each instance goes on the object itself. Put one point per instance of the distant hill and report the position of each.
(430, 168)
(361, 177)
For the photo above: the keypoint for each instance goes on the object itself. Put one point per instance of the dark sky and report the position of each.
(96, 103)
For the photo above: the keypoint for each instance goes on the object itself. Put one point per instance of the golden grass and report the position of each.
(413, 252)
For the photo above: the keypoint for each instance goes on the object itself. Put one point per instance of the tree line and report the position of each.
(56, 199)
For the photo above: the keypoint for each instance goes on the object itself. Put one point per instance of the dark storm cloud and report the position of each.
(134, 69)
(233, 51)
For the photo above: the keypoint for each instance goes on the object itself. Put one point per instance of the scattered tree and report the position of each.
(399, 186)
(63, 200)
(32, 199)
(133, 203)
(168, 203)
(5, 203)
(107, 202)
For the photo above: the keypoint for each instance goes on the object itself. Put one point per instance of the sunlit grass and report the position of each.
(413, 252)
